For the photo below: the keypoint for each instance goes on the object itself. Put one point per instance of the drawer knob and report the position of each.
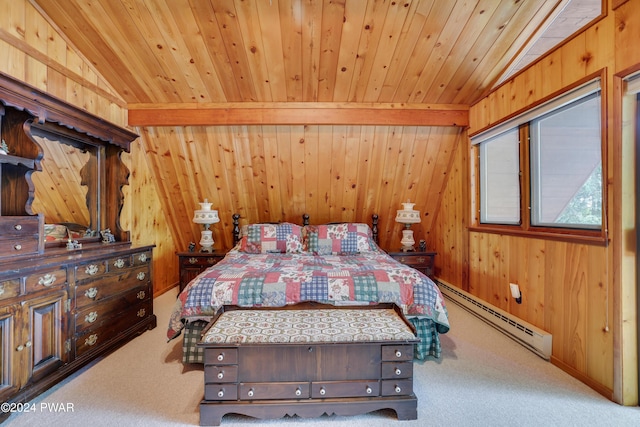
(91, 270)
(398, 371)
(91, 317)
(221, 357)
(250, 393)
(398, 389)
(141, 294)
(17, 247)
(20, 347)
(27, 344)
(91, 340)
(398, 353)
(17, 227)
(221, 393)
(298, 392)
(91, 293)
(119, 263)
(369, 391)
(142, 258)
(193, 260)
(220, 375)
(140, 276)
(323, 391)
(141, 312)
(421, 260)
(47, 280)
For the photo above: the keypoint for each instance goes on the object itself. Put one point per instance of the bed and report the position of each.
(278, 264)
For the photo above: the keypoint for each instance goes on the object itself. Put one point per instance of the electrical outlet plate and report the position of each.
(515, 290)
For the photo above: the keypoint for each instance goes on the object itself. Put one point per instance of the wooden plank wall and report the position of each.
(568, 288)
(278, 173)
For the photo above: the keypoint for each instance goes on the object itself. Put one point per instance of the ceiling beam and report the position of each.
(300, 113)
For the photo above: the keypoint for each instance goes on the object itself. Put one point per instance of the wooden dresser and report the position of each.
(334, 360)
(60, 311)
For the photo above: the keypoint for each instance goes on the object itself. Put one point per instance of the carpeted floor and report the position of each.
(483, 379)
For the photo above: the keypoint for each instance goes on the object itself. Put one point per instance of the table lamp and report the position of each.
(407, 216)
(206, 216)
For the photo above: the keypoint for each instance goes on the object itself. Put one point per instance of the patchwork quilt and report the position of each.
(276, 279)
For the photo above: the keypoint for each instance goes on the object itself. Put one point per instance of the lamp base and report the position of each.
(206, 241)
(407, 241)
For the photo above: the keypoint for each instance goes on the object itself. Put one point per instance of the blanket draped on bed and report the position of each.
(275, 279)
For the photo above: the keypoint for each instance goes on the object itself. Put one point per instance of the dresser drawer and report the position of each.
(397, 352)
(46, 280)
(220, 356)
(9, 288)
(221, 392)
(397, 370)
(93, 339)
(18, 245)
(19, 225)
(220, 373)
(271, 391)
(103, 312)
(330, 389)
(105, 285)
(91, 270)
(397, 387)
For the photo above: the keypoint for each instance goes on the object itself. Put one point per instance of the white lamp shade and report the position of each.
(408, 215)
(205, 215)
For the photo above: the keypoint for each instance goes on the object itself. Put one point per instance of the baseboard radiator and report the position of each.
(533, 338)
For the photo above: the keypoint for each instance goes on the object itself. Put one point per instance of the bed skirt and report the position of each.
(426, 330)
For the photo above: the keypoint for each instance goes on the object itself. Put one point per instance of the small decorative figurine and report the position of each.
(107, 237)
(192, 247)
(423, 246)
(73, 244)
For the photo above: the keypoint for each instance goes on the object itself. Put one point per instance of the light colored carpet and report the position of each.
(483, 379)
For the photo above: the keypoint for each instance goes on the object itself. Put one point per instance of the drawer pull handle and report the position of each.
(91, 293)
(369, 391)
(193, 260)
(17, 247)
(47, 280)
(398, 371)
(142, 258)
(398, 353)
(91, 340)
(119, 263)
(220, 357)
(140, 276)
(298, 392)
(91, 317)
(323, 391)
(141, 294)
(17, 227)
(221, 393)
(421, 260)
(397, 389)
(91, 270)
(141, 312)
(220, 375)
(250, 393)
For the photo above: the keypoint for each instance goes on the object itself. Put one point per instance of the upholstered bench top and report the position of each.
(310, 325)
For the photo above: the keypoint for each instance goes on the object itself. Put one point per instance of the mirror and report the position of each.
(66, 188)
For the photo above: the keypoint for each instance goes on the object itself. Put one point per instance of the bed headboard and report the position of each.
(305, 221)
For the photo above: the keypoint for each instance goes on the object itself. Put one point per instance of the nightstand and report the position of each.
(421, 261)
(193, 263)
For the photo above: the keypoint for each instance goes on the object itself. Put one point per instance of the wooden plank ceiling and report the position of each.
(162, 53)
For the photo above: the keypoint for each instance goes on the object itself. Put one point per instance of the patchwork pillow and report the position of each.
(279, 238)
(339, 239)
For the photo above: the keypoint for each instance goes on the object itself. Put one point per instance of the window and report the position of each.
(541, 172)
